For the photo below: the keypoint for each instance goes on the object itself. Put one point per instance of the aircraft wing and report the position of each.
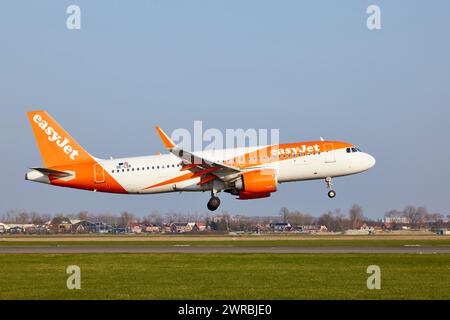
(200, 166)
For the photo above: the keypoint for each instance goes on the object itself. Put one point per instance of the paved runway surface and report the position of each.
(224, 249)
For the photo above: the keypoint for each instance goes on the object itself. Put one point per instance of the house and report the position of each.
(200, 226)
(281, 226)
(17, 228)
(101, 227)
(119, 230)
(83, 226)
(364, 230)
(443, 232)
(396, 219)
(151, 228)
(166, 228)
(59, 225)
(396, 222)
(310, 229)
(177, 227)
(135, 227)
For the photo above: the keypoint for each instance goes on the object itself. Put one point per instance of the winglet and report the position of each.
(168, 143)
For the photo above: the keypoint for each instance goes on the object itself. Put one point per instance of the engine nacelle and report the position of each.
(257, 184)
(248, 195)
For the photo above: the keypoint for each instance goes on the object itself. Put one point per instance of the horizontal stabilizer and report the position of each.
(53, 173)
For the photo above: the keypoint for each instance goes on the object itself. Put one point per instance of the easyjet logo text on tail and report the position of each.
(53, 136)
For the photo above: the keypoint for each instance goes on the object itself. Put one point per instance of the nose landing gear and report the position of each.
(331, 193)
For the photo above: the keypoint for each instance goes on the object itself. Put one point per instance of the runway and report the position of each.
(225, 249)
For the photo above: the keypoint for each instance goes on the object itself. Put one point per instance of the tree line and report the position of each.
(335, 220)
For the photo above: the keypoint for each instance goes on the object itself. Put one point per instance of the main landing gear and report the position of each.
(329, 182)
(214, 202)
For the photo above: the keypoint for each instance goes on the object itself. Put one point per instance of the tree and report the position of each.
(327, 220)
(300, 219)
(421, 215)
(437, 220)
(410, 214)
(284, 212)
(415, 216)
(126, 218)
(342, 223)
(356, 216)
(38, 219)
(334, 221)
(213, 225)
(83, 215)
(23, 218)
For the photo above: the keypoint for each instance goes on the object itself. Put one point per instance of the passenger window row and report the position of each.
(282, 156)
(146, 168)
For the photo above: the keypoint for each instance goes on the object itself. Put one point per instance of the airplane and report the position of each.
(247, 173)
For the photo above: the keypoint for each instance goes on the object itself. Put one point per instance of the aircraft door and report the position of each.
(99, 173)
(329, 153)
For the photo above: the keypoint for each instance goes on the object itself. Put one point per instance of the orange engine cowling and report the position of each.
(257, 184)
(248, 195)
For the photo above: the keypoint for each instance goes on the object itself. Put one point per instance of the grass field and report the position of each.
(224, 240)
(224, 276)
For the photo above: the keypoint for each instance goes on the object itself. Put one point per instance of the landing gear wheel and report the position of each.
(213, 204)
(329, 182)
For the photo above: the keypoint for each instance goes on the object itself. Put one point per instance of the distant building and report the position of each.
(151, 229)
(135, 227)
(83, 226)
(364, 230)
(311, 229)
(180, 227)
(396, 219)
(443, 232)
(396, 222)
(59, 225)
(200, 226)
(17, 227)
(193, 226)
(281, 226)
(101, 227)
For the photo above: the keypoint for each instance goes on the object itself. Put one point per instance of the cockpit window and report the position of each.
(353, 149)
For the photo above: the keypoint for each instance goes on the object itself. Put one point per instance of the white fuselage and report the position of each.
(137, 174)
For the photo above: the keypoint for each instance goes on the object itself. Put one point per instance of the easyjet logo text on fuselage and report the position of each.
(302, 149)
(53, 136)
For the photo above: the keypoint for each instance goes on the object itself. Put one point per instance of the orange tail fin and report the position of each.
(57, 147)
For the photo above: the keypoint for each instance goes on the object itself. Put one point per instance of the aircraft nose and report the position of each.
(370, 161)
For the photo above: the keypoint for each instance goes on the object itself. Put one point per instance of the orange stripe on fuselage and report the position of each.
(283, 152)
(184, 177)
(85, 179)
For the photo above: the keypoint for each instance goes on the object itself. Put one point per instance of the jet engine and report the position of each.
(257, 184)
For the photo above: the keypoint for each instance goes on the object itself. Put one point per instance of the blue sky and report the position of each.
(309, 68)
